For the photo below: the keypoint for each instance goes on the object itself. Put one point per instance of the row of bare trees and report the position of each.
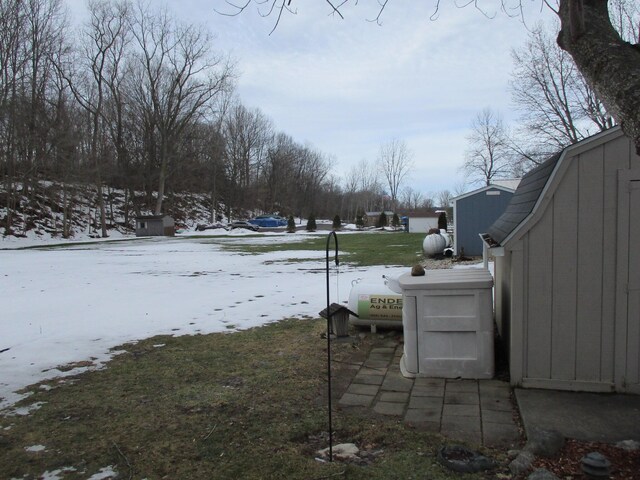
(137, 100)
(558, 106)
(381, 185)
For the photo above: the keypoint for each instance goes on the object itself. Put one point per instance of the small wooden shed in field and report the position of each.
(155, 226)
(370, 219)
(567, 269)
(474, 212)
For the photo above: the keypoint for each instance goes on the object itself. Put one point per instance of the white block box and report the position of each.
(447, 317)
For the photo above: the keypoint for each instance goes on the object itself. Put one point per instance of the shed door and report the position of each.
(628, 305)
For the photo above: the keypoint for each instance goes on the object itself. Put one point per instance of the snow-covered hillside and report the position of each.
(39, 213)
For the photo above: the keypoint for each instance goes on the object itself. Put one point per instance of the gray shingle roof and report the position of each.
(523, 200)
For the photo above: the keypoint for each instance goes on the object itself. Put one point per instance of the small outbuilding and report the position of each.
(421, 220)
(473, 214)
(567, 269)
(370, 219)
(155, 226)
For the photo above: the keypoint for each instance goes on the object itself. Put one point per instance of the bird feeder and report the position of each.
(339, 316)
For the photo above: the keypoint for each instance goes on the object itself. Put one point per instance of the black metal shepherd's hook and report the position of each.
(329, 341)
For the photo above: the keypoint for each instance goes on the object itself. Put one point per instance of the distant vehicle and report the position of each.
(246, 225)
(213, 226)
(269, 221)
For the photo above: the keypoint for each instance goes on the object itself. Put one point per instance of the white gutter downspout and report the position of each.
(485, 256)
(487, 250)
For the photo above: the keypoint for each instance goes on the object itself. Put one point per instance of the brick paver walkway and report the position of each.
(472, 411)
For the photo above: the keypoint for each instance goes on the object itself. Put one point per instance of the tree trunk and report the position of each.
(162, 176)
(65, 212)
(161, 182)
(101, 208)
(212, 213)
(609, 64)
(125, 207)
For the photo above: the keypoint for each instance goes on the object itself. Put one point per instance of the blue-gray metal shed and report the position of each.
(474, 212)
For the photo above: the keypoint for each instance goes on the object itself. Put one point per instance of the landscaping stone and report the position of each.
(628, 445)
(522, 463)
(596, 465)
(461, 459)
(511, 454)
(542, 474)
(341, 452)
(545, 443)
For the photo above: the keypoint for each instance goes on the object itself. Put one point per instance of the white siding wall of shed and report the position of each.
(627, 362)
(422, 224)
(564, 270)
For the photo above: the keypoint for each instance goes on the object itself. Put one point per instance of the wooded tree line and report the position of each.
(139, 101)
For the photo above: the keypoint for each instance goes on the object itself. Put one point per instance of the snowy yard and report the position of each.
(73, 304)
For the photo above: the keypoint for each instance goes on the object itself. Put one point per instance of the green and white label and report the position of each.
(380, 307)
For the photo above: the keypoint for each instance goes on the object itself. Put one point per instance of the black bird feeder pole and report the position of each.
(329, 341)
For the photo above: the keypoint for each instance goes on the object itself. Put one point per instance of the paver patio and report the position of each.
(473, 411)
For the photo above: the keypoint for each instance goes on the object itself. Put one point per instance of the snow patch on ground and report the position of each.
(35, 448)
(69, 307)
(57, 474)
(104, 473)
(23, 410)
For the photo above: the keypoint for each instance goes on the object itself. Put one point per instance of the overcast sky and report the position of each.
(349, 86)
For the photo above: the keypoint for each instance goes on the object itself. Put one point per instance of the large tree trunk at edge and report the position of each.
(610, 65)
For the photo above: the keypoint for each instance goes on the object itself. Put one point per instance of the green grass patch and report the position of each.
(361, 249)
(248, 405)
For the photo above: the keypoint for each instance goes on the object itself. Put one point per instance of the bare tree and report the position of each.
(12, 61)
(395, 161)
(362, 185)
(107, 29)
(248, 133)
(488, 155)
(427, 202)
(31, 32)
(625, 16)
(443, 199)
(411, 198)
(559, 108)
(177, 78)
